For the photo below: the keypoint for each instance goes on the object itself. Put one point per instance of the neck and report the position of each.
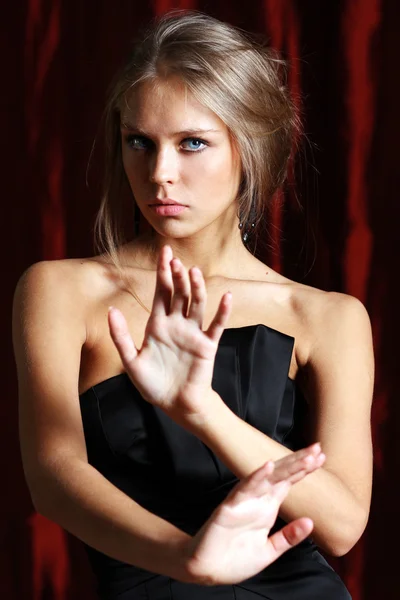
(215, 255)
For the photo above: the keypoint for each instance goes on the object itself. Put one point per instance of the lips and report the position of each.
(167, 210)
(166, 202)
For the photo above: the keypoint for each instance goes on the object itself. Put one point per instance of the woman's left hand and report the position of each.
(174, 367)
(234, 543)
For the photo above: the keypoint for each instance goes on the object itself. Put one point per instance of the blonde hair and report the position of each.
(230, 73)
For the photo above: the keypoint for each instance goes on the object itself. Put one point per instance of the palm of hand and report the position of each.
(234, 543)
(174, 367)
(175, 364)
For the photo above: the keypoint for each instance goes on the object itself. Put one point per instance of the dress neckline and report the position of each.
(226, 331)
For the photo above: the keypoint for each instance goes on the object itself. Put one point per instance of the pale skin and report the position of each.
(184, 273)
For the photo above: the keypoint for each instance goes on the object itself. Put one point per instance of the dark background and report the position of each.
(57, 59)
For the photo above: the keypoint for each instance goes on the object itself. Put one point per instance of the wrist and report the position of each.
(179, 556)
(213, 418)
(193, 570)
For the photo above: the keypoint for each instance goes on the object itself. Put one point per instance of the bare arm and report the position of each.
(340, 372)
(48, 334)
(340, 386)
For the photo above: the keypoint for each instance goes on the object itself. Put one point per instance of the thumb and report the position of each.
(120, 335)
(289, 536)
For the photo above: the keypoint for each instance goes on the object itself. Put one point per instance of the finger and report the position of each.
(289, 536)
(181, 284)
(280, 490)
(218, 323)
(297, 469)
(198, 296)
(265, 486)
(313, 449)
(121, 337)
(256, 484)
(307, 459)
(164, 283)
(316, 464)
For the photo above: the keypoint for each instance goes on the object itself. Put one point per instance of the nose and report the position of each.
(163, 166)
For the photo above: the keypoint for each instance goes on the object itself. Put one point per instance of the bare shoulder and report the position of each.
(80, 280)
(334, 315)
(51, 273)
(48, 298)
(324, 322)
(327, 310)
(54, 298)
(53, 302)
(342, 325)
(49, 330)
(340, 340)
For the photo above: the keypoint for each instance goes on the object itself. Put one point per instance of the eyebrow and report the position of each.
(131, 127)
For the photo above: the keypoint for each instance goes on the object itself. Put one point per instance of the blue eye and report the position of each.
(196, 143)
(136, 142)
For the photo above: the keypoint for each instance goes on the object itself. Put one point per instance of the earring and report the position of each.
(250, 229)
(246, 234)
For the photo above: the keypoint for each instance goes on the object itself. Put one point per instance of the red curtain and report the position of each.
(57, 60)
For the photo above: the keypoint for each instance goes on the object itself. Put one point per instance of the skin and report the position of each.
(203, 176)
(184, 273)
(179, 312)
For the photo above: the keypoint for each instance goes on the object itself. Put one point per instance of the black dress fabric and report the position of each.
(174, 475)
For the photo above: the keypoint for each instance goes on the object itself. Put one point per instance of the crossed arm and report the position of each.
(335, 497)
(339, 377)
(49, 331)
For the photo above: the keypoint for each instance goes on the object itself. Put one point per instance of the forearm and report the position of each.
(322, 496)
(87, 505)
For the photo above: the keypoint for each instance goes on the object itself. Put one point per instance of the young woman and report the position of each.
(167, 384)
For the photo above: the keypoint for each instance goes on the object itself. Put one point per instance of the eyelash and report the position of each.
(130, 138)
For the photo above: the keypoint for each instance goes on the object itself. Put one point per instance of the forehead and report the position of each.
(167, 105)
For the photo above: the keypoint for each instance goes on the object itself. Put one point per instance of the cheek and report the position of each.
(134, 167)
(220, 172)
(215, 165)
(126, 163)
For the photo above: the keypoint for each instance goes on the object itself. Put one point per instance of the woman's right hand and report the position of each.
(233, 544)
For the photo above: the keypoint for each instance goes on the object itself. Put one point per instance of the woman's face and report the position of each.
(175, 148)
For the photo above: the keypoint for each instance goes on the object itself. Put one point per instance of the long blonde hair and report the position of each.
(239, 79)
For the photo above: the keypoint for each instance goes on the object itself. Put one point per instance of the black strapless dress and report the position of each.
(174, 475)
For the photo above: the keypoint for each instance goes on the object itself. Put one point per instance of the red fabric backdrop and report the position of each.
(57, 60)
